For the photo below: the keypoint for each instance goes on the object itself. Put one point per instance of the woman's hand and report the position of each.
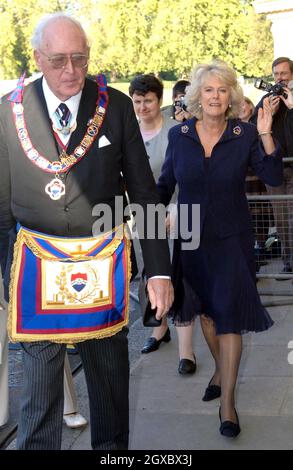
(168, 224)
(264, 126)
(265, 117)
(171, 221)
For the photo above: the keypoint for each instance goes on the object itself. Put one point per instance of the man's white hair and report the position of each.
(37, 36)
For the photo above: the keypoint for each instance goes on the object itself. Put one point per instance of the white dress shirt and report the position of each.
(52, 104)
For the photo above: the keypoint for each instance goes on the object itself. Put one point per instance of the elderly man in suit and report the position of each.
(86, 146)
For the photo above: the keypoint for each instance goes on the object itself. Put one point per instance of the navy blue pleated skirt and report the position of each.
(218, 280)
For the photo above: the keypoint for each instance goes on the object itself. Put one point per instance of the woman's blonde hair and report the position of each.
(226, 74)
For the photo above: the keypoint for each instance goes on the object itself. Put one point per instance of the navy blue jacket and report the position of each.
(221, 190)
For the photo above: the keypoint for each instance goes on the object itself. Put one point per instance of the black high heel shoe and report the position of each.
(152, 344)
(211, 392)
(228, 428)
(186, 366)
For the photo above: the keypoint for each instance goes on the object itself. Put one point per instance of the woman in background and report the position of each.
(146, 92)
(246, 109)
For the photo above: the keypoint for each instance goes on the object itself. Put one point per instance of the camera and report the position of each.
(180, 104)
(275, 90)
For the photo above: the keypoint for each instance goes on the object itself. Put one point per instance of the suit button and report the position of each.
(66, 208)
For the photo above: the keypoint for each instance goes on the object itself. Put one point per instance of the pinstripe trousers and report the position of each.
(106, 368)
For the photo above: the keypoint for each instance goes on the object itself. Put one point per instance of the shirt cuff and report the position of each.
(160, 277)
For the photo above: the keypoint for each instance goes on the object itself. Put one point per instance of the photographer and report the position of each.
(281, 103)
(177, 110)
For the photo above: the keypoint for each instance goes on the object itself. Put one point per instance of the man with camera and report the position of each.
(281, 103)
(177, 110)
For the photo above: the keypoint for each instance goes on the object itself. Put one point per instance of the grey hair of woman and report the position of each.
(37, 37)
(226, 74)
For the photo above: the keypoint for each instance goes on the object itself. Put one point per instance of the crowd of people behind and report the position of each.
(202, 150)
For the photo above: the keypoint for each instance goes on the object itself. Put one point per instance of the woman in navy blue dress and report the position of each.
(208, 157)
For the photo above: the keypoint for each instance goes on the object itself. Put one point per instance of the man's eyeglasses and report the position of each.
(59, 61)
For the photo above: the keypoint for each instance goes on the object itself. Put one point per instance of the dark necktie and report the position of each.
(64, 114)
(61, 119)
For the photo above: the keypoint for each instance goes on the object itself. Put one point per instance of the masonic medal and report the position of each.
(55, 189)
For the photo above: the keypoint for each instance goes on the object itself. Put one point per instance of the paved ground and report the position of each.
(171, 405)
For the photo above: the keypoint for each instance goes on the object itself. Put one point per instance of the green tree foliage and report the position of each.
(138, 36)
(260, 48)
(151, 35)
(7, 41)
(17, 21)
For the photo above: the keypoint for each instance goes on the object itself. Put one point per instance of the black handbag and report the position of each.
(148, 314)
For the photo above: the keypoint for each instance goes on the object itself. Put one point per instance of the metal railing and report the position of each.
(272, 217)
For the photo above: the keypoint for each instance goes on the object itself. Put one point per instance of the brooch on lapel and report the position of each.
(184, 129)
(237, 130)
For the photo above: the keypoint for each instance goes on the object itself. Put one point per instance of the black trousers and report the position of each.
(106, 368)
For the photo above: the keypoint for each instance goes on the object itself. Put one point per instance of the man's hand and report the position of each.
(274, 104)
(289, 100)
(161, 295)
(181, 114)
